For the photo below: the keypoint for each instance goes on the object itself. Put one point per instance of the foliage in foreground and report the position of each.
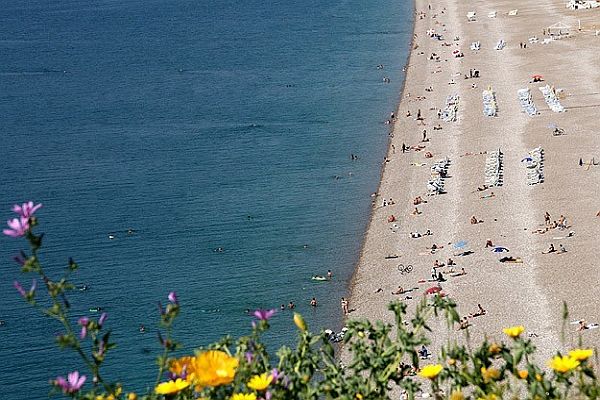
(382, 357)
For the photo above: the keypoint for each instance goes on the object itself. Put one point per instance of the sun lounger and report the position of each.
(450, 111)
(527, 102)
(489, 103)
(551, 99)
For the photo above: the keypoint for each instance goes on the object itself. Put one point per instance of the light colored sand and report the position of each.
(530, 293)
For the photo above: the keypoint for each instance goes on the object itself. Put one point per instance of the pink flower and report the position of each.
(173, 298)
(263, 315)
(18, 227)
(20, 289)
(26, 210)
(83, 321)
(72, 384)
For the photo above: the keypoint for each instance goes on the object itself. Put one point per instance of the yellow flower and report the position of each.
(538, 377)
(494, 348)
(451, 361)
(514, 331)
(581, 354)
(457, 395)
(132, 396)
(181, 365)
(431, 371)
(299, 321)
(489, 374)
(260, 382)
(213, 368)
(490, 396)
(171, 387)
(563, 364)
(243, 396)
(359, 396)
(523, 374)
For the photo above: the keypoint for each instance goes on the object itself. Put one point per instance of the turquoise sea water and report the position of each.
(200, 124)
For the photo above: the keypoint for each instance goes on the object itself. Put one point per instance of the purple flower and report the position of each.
(20, 259)
(26, 210)
(18, 227)
(83, 321)
(263, 315)
(101, 348)
(102, 319)
(20, 289)
(72, 384)
(276, 374)
(249, 356)
(173, 298)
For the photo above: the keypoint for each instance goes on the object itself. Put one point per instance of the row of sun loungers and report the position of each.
(527, 102)
(439, 170)
(551, 99)
(475, 46)
(449, 113)
(535, 166)
(494, 168)
(489, 103)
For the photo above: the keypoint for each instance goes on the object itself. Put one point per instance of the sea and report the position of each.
(197, 146)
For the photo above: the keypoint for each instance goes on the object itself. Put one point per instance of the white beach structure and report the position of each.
(471, 16)
(558, 29)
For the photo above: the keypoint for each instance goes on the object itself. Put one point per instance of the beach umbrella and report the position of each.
(537, 78)
(499, 249)
(527, 159)
(433, 289)
(460, 244)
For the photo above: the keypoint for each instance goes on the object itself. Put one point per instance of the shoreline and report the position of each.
(529, 293)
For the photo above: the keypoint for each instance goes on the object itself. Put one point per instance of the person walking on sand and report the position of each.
(329, 274)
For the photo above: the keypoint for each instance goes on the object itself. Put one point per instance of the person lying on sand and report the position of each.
(487, 196)
(418, 200)
(399, 291)
(475, 221)
(416, 211)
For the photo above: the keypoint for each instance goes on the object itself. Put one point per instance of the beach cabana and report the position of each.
(558, 29)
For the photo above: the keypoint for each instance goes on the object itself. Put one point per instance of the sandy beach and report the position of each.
(530, 292)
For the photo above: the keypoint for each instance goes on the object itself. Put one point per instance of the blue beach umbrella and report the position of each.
(499, 249)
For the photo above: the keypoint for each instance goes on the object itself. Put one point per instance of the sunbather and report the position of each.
(551, 249)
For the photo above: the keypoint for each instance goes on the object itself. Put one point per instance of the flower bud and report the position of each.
(299, 321)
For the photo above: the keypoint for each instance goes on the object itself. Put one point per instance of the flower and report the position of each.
(514, 331)
(72, 384)
(489, 374)
(83, 321)
(263, 315)
(102, 319)
(18, 227)
(20, 289)
(563, 364)
(171, 387)
(523, 374)
(431, 371)
(173, 298)
(212, 368)
(260, 382)
(299, 321)
(26, 210)
(132, 396)
(490, 396)
(494, 348)
(581, 354)
(457, 395)
(243, 396)
(180, 367)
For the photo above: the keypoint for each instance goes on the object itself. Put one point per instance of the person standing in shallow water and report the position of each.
(313, 302)
(344, 304)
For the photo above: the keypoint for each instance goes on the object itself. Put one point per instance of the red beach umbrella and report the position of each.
(537, 78)
(433, 289)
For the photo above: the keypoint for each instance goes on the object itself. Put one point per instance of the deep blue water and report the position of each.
(200, 124)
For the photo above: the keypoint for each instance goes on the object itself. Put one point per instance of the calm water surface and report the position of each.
(200, 124)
